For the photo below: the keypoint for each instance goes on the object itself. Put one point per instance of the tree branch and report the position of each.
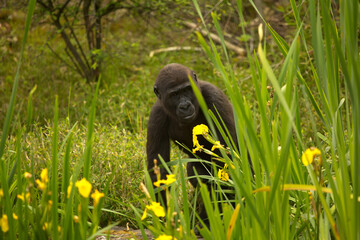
(63, 8)
(79, 70)
(73, 50)
(46, 7)
(113, 6)
(78, 43)
(60, 58)
(97, 25)
(86, 8)
(50, 4)
(75, 14)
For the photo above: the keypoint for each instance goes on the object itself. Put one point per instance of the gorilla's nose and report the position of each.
(184, 106)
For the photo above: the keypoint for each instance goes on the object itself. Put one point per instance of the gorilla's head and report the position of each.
(173, 89)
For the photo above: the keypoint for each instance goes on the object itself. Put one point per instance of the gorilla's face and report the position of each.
(174, 90)
(183, 100)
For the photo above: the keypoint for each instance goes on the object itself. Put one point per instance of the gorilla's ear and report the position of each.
(156, 91)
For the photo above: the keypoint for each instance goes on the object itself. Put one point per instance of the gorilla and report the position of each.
(176, 112)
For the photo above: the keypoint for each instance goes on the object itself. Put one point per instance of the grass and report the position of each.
(99, 134)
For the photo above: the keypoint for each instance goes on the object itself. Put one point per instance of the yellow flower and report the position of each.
(41, 185)
(156, 208)
(45, 226)
(352, 197)
(22, 197)
(27, 175)
(170, 179)
(198, 147)
(84, 187)
(223, 175)
(69, 189)
(15, 216)
(1, 193)
(165, 237)
(44, 175)
(76, 219)
(198, 130)
(96, 196)
(144, 214)
(309, 156)
(216, 145)
(50, 203)
(4, 223)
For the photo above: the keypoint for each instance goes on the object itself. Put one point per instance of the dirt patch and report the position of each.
(123, 233)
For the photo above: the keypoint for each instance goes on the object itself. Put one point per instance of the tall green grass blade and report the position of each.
(138, 217)
(197, 8)
(213, 215)
(19, 183)
(54, 175)
(221, 36)
(66, 222)
(66, 165)
(101, 231)
(90, 134)
(259, 86)
(185, 200)
(224, 132)
(29, 111)
(12, 172)
(317, 43)
(202, 104)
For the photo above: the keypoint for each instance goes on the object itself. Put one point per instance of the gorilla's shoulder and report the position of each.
(157, 107)
(157, 111)
(211, 93)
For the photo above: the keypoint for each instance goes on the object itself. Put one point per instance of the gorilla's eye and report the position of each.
(188, 89)
(174, 94)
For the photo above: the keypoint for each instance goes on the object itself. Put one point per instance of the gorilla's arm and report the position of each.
(158, 141)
